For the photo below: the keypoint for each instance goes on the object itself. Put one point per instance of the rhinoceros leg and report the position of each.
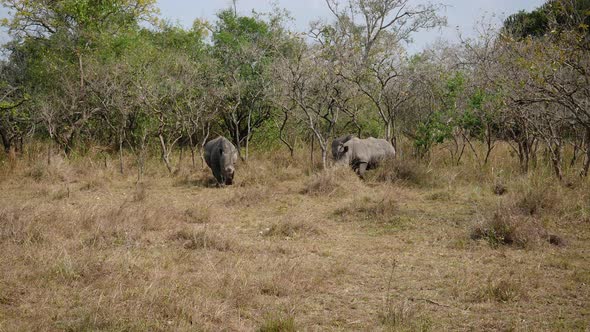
(218, 179)
(362, 168)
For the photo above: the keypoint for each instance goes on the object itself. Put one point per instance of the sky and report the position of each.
(462, 15)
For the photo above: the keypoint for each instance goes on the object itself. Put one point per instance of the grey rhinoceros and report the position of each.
(221, 156)
(363, 154)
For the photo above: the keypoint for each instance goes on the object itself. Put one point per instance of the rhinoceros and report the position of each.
(338, 141)
(363, 154)
(221, 156)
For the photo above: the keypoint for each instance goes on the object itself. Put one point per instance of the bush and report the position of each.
(517, 220)
(536, 200)
(506, 227)
(37, 172)
(500, 229)
(499, 188)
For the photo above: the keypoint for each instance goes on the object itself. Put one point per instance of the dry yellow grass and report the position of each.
(85, 248)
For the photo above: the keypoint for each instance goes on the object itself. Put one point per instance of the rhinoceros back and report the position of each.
(370, 150)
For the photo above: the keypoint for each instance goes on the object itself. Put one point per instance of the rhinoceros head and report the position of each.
(342, 153)
(228, 157)
(338, 145)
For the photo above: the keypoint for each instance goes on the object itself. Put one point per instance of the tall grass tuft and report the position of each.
(405, 171)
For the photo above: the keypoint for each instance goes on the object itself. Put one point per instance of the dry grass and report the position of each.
(440, 196)
(20, 228)
(193, 240)
(503, 290)
(246, 197)
(87, 248)
(288, 227)
(372, 209)
(337, 180)
(404, 317)
(196, 178)
(198, 215)
(278, 323)
(405, 171)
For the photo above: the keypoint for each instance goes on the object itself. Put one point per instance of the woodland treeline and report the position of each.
(82, 73)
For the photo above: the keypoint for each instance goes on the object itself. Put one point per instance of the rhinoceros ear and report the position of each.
(344, 149)
(221, 151)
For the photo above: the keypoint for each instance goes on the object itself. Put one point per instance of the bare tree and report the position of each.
(370, 34)
(310, 84)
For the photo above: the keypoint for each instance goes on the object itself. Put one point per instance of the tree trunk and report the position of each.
(121, 154)
(68, 150)
(523, 157)
(587, 161)
(533, 149)
(388, 135)
(525, 151)
(192, 147)
(460, 156)
(477, 158)
(249, 132)
(489, 144)
(165, 153)
(282, 132)
(5, 141)
(21, 145)
(12, 157)
(238, 143)
(81, 70)
(140, 162)
(237, 138)
(311, 151)
(556, 160)
(49, 152)
(205, 137)
(324, 157)
(67, 138)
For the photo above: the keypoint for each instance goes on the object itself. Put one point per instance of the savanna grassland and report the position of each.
(414, 246)
(480, 223)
